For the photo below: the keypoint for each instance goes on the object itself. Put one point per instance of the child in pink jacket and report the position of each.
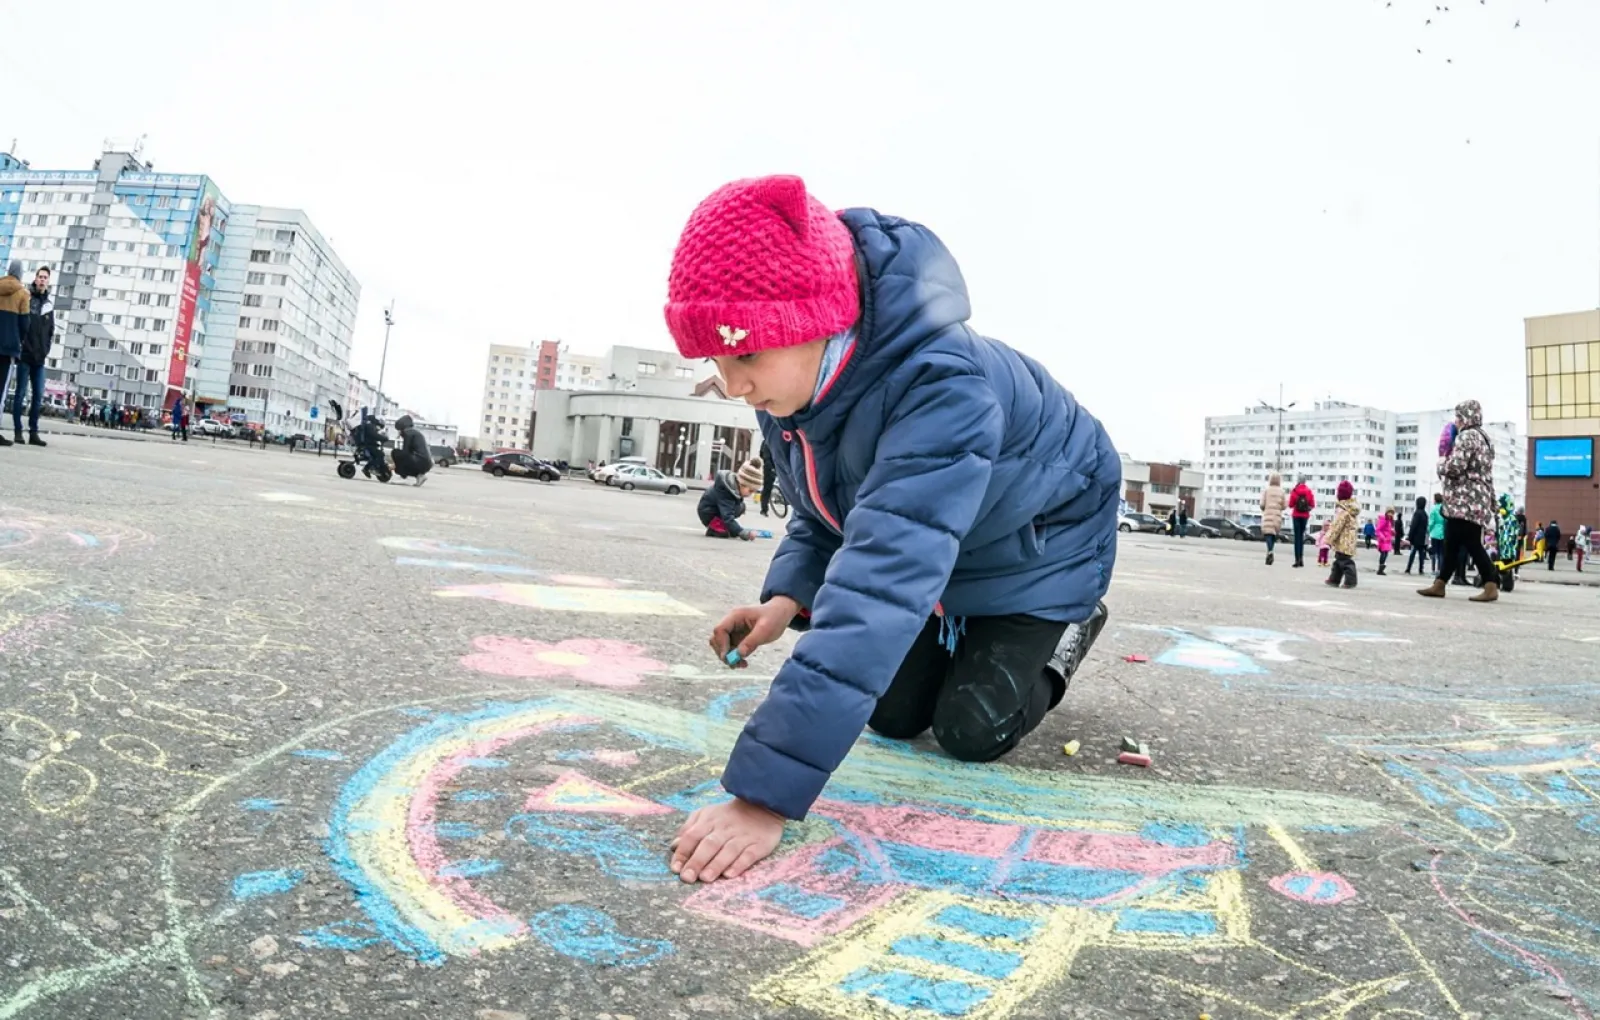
(1385, 528)
(1322, 545)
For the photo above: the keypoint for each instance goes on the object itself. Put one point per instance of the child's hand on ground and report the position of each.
(724, 840)
(749, 627)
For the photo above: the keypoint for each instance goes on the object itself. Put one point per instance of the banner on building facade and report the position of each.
(200, 237)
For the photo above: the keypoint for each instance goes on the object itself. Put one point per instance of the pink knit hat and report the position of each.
(1346, 490)
(761, 264)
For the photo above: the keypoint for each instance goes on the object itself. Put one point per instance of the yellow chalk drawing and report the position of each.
(1427, 967)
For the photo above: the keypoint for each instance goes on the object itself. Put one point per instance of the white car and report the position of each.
(603, 475)
(212, 427)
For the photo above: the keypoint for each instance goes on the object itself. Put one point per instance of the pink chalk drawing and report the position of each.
(574, 792)
(603, 663)
(584, 581)
(1319, 888)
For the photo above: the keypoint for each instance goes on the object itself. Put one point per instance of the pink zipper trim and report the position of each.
(848, 353)
(811, 480)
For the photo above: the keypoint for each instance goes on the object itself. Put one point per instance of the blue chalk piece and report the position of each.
(265, 883)
(318, 755)
(470, 796)
(800, 902)
(989, 926)
(732, 658)
(911, 991)
(763, 533)
(484, 763)
(260, 804)
(348, 936)
(992, 964)
(1174, 835)
(1472, 818)
(470, 868)
(1188, 923)
(456, 830)
(591, 936)
(1057, 883)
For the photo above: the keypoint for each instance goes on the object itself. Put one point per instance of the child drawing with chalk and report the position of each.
(722, 504)
(955, 520)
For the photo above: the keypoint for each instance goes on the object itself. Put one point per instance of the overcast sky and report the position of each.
(1174, 205)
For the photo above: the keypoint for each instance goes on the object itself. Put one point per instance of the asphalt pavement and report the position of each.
(278, 745)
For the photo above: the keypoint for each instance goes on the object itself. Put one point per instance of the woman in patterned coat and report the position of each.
(1467, 467)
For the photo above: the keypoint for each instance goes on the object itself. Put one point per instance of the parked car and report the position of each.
(1199, 529)
(603, 474)
(1228, 529)
(212, 427)
(642, 476)
(443, 456)
(1140, 522)
(520, 465)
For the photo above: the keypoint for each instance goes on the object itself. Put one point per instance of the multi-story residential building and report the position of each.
(1390, 457)
(158, 291)
(545, 363)
(580, 371)
(1155, 488)
(509, 380)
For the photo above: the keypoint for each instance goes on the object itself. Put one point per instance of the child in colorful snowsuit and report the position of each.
(1341, 535)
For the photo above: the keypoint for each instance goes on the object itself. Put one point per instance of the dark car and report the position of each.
(1199, 529)
(521, 465)
(443, 456)
(1228, 529)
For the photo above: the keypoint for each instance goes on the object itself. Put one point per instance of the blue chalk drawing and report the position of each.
(801, 902)
(1174, 835)
(698, 796)
(254, 884)
(484, 763)
(345, 935)
(470, 868)
(1559, 789)
(1472, 818)
(260, 804)
(912, 991)
(319, 755)
(617, 851)
(591, 936)
(471, 796)
(983, 925)
(456, 830)
(1188, 923)
(996, 965)
(1590, 824)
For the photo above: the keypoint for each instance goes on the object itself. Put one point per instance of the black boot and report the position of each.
(18, 439)
(4, 441)
(1070, 652)
(34, 440)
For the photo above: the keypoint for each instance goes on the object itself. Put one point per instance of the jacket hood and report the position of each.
(728, 480)
(10, 286)
(1470, 414)
(403, 423)
(911, 290)
(1351, 505)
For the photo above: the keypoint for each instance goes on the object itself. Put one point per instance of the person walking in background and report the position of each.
(180, 424)
(1467, 468)
(769, 476)
(1552, 542)
(1418, 537)
(1183, 519)
(14, 306)
(1369, 531)
(1273, 504)
(1340, 534)
(1322, 546)
(38, 335)
(1384, 531)
(1301, 501)
(1581, 540)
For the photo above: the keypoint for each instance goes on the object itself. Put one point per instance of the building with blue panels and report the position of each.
(163, 286)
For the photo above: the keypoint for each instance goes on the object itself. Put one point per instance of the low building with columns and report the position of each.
(691, 433)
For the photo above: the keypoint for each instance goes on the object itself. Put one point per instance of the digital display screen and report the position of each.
(1563, 458)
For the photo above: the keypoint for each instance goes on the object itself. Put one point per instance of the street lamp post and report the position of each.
(383, 363)
(1281, 407)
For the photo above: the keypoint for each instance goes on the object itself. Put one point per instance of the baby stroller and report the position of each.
(367, 451)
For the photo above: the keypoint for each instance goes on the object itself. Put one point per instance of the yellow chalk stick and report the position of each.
(1070, 748)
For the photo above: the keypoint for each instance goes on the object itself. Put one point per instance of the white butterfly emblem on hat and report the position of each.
(731, 335)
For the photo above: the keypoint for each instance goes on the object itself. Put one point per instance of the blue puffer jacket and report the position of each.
(937, 466)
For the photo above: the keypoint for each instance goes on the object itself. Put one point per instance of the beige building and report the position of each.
(510, 376)
(1563, 368)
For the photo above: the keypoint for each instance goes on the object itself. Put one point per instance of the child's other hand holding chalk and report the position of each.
(747, 628)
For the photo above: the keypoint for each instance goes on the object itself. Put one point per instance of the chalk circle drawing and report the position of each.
(574, 599)
(920, 887)
(1320, 888)
(65, 535)
(603, 663)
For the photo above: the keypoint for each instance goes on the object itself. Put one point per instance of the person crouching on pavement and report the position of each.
(955, 513)
(412, 459)
(722, 504)
(1341, 535)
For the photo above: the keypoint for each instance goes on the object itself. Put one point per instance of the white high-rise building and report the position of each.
(1390, 457)
(580, 371)
(509, 380)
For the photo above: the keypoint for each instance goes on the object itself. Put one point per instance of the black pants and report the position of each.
(1300, 539)
(1419, 556)
(768, 480)
(1383, 560)
(1344, 571)
(982, 701)
(1465, 539)
(408, 466)
(1550, 554)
